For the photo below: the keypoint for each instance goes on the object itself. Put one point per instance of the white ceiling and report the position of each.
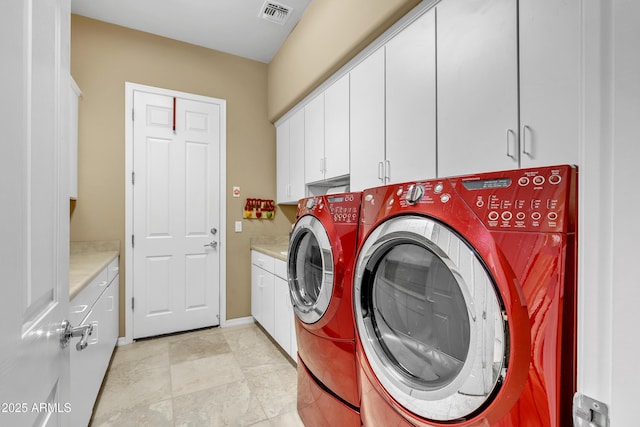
(232, 26)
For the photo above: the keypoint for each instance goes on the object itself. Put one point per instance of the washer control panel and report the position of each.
(523, 199)
(344, 208)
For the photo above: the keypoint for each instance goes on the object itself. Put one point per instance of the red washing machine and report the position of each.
(465, 300)
(320, 266)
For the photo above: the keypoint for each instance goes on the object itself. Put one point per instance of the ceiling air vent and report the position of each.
(275, 12)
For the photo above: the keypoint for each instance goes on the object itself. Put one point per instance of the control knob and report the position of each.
(311, 203)
(414, 194)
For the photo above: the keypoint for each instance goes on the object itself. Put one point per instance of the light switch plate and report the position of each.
(238, 226)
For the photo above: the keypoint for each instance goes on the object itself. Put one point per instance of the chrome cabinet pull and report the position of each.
(526, 149)
(510, 132)
(380, 172)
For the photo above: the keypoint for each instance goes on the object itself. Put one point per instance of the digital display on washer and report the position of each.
(336, 199)
(483, 184)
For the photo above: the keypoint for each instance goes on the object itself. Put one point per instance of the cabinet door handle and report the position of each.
(321, 165)
(526, 147)
(509, 153)
(387, 171)
(380, 172)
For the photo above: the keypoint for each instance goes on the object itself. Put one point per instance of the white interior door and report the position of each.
(34, 207)
(176, 257)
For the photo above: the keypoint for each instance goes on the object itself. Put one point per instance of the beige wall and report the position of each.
(103, 58)
(330, 33)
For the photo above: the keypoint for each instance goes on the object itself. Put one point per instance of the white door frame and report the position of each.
(128, 278)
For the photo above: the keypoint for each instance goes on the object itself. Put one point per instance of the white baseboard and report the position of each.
(123, 341)
(226, 324)
(237, 322)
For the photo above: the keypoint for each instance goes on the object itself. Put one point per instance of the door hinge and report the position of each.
(133, 241)
(588, 412)
(133, 178)
(132, 304)
(132, 114)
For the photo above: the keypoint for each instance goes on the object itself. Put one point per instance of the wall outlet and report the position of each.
(238, 226)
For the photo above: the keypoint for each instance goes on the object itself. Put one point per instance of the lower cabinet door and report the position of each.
(89, 366)
(282, 322)
(85, 378)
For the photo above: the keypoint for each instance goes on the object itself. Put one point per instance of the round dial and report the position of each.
(414, 194)
(311, 203)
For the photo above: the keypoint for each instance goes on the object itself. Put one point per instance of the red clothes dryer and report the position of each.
(465, 300)
(320, 266)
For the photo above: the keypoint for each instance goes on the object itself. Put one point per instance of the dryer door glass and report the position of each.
(420, 314)
(429, 318)
(310, 266)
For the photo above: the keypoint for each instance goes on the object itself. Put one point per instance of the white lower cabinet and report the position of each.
(96, 304)
(270, 302)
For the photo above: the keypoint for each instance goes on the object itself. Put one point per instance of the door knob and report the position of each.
(213, 244)
(82, 331)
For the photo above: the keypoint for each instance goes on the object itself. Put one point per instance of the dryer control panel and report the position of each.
(537, 199)
(343, 208)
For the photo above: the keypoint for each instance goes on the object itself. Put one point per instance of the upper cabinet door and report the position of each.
(549, 82)
(314, 140)
(477, 86)
(282, 162)
(367, 109)
(336, 136)
(296, 157)
(411, 102)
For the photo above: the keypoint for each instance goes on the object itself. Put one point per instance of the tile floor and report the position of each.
(214, 377)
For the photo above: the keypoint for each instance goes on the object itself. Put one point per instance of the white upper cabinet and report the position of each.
(393, 109)
(336, 129)
(549, 81)
(314, 140)
(482, 87)
(468, 86)
(282, 161)
(367, 111)
(290, 159)
(477, 86)
(411, 102)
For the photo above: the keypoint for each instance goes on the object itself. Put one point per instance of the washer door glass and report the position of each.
(310, 265)
(429, 318)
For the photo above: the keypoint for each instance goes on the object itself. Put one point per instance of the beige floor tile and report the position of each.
(213, 377)
(228, 405)
(126, 389)
(246, 338)
(288, 419)
(151, 353)
(261, 360)
(158, 414)
(276, 391)
(194, 347)
(200, 374)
